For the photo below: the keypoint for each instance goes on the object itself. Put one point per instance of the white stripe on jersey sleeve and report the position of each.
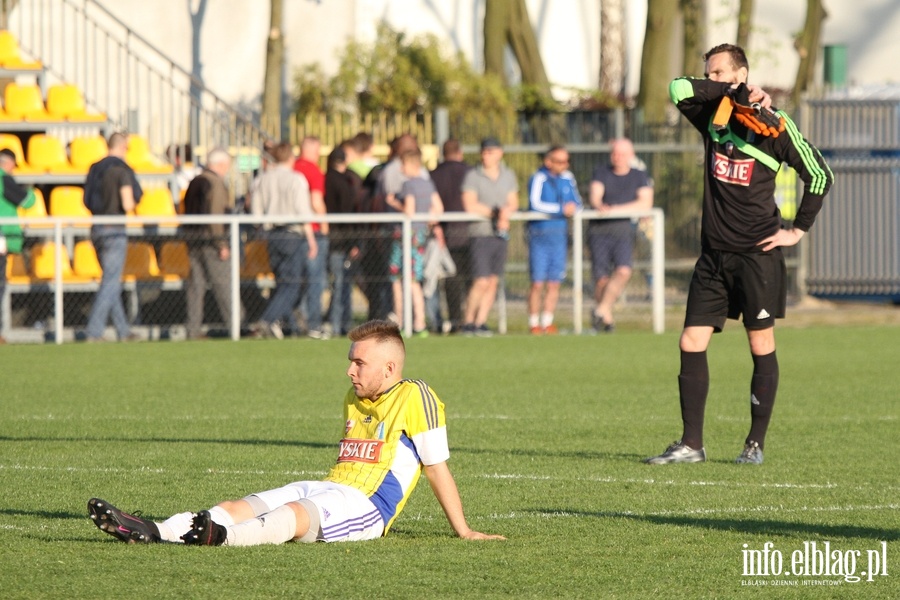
(432, 446)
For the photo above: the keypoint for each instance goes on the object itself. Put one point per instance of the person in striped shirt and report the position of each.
(394, 430)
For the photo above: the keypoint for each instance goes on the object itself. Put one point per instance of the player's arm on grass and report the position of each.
(444, 488)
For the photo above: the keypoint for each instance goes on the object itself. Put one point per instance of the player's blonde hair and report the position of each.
(380, 331)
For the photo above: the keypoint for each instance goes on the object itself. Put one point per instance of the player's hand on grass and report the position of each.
(477, 535)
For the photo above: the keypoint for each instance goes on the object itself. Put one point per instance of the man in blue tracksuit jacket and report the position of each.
(552, 191)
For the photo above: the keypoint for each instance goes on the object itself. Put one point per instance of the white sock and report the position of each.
(276, 527)
(533, 320)
(546, 319)
(175, 526)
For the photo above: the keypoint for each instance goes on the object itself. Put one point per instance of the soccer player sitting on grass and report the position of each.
(394, 430)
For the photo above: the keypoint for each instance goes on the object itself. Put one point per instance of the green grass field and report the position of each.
(546, 437)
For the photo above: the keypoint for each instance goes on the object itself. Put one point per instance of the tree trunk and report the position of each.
(496, 24)
(745, 22)
(612, 48)
(525, 48)
(653, 97)
(807, 45)
(507, 22)
(271, 101)
(694, 40)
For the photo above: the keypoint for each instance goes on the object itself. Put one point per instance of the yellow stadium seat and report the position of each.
(139, 157)
(256, 262)
(85, 262)
(85, 151)
(16, 272)
(43, 263)
(37, 210)
(65, 101)
(140, 263)
(11, 56)
(174, 263)
(68, 201)
(11, 141)
(155, 202)
(25, 102)
(46, 154)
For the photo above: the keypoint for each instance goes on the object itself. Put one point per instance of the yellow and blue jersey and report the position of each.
(387, 441)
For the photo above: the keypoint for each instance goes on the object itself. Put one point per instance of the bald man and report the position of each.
(394, 430)
(617, 188)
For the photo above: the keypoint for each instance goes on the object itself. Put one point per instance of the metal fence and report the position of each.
(51, 286)
(854, 249)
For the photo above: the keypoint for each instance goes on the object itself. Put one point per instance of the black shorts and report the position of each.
(731, 284)
(609, 251)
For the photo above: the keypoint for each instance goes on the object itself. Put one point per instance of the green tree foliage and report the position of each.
(397, 74)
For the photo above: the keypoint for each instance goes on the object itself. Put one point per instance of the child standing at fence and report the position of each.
(417, 196)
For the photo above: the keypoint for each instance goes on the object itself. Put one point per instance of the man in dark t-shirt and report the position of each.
(111, 188)
(615, 188)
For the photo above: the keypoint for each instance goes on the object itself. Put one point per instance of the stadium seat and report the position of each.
(68, 201)
(85, 262)
(16, 272)
(11, 56)
(37, 210)
(43, 263)
(256, 264)
(174, 263)
(25, 102)
(157, 202)
(140, 263)
(11, 141)
(139, 157)
(85, 151)
(65, 101)
(46, 154)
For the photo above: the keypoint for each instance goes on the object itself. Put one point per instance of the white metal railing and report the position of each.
(140, 88)
(66, 228)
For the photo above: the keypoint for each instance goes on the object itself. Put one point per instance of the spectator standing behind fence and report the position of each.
(389, 181)
(551, 191)
(417, 196)
(181, 158)
(209, 245)
(341, 194)
(12, 196)
(489, 190)
(307, 164)
(448, 177)
(363, 160)
(281, 191)
(111, 188)
(615, 188)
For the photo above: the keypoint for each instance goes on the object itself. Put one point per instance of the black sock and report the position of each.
(763, 388)
(693, 386)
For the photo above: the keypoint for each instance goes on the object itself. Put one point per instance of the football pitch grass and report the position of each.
(546, 438)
